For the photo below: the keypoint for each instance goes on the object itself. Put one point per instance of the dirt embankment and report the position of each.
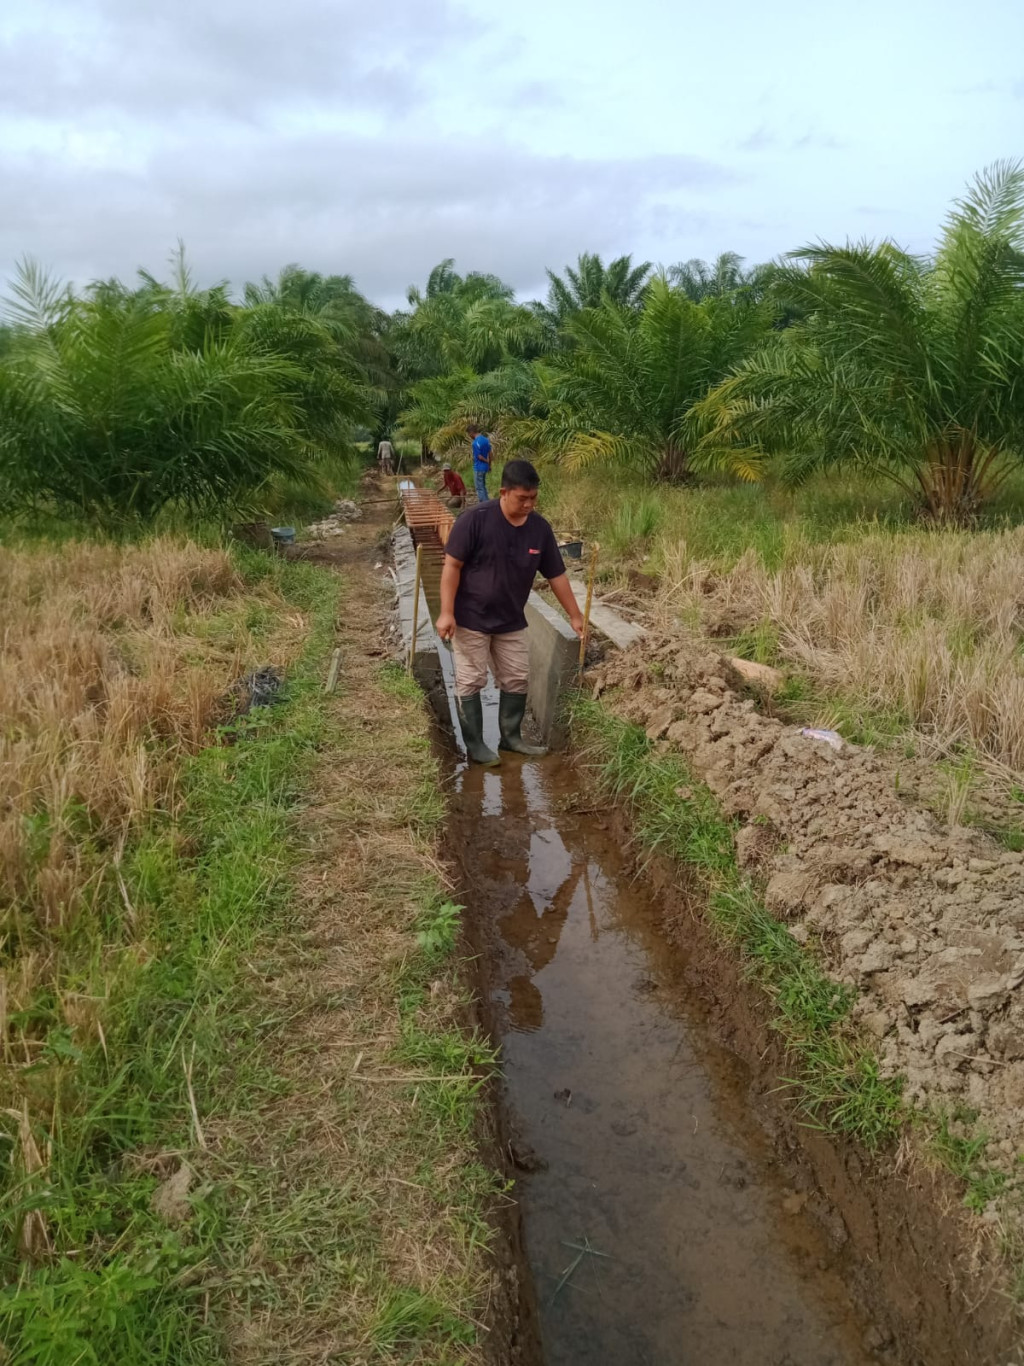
(927, 921)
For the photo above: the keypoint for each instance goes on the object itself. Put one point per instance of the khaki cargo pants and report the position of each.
(507, 656)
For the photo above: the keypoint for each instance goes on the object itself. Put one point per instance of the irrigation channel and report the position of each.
(657, 1225)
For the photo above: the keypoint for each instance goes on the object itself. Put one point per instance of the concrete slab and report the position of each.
(427, 664)
(605, 619)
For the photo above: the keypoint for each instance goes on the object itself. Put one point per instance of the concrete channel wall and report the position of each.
(426, 666)
(554, 658)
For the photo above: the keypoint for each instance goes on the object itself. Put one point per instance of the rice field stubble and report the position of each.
(238, 1099)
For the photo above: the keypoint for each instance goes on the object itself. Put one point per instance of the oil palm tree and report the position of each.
(909, 368)
(444, 280)
(439, 409)
(469, 321)
(460, 329)
(701, 280)
(107, 411)
(332, 299)
(586, 285)
(623, 389)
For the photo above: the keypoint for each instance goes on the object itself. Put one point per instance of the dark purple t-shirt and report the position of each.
(499, 564)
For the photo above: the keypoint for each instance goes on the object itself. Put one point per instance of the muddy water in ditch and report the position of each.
(657, 1229)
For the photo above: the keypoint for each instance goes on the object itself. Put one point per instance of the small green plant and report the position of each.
(760, 643)
(439, 929)
(408, 1317)
(842, 1091)
(635, 525)
(962, 1150)
(118, 1311)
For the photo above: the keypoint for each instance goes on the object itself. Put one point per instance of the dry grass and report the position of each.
(110, 671)
(925, 627)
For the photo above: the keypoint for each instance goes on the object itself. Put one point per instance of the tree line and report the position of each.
(117, 401)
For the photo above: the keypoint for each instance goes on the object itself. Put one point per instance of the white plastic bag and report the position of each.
(831, 737)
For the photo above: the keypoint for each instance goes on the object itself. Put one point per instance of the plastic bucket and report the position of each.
(283, 535)
(574, 549)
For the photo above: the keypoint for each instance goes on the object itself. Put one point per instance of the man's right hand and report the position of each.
(446, 625)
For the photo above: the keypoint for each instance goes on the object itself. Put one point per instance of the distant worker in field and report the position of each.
(493, 553)
(481, 460)
(386, 457)
(454, 487)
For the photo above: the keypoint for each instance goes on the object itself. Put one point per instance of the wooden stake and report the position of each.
(332, 673)
(590, 598)
(415, 607)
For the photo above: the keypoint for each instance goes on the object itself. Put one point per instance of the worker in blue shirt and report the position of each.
(481, 460)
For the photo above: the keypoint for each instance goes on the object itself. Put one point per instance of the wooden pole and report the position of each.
(332, 672)
(586, 610)
(415, 607)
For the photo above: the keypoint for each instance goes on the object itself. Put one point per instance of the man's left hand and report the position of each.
(576, 623)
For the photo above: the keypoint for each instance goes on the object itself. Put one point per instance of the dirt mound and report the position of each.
(927, 921)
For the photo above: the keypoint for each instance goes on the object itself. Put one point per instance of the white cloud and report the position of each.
(384, 210)
(378, 139)
(262, 134)
(76, 58)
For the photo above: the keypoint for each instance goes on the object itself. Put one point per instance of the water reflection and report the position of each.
(535, 923)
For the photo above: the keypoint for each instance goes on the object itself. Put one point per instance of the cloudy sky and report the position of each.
(512, 135)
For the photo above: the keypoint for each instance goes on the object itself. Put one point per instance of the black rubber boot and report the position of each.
(511, 710)
(471, 719)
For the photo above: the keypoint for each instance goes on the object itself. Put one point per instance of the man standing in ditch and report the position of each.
(493, 554)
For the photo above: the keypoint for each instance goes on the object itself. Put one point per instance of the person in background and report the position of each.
(454, 488)
(481, 460)
(386, 457)
(493, 553)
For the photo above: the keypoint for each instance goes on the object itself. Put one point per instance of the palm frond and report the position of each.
(39, 300)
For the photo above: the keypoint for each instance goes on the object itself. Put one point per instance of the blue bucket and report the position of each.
(283, 535)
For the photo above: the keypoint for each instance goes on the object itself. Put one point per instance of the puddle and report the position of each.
(657, 1228)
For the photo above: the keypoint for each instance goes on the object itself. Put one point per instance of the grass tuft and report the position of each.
(961, 1147)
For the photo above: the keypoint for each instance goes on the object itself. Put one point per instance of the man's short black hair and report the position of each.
(519, 474)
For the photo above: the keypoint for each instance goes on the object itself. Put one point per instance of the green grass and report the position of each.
(281, 501)
(721, 520)
(837, 1084)
(718, 520)
(633, 527)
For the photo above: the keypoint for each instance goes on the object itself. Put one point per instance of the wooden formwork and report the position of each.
(424, 512)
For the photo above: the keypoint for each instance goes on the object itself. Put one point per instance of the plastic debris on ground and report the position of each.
(831, 737)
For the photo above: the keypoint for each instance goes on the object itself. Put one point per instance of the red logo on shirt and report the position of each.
(535, 552)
